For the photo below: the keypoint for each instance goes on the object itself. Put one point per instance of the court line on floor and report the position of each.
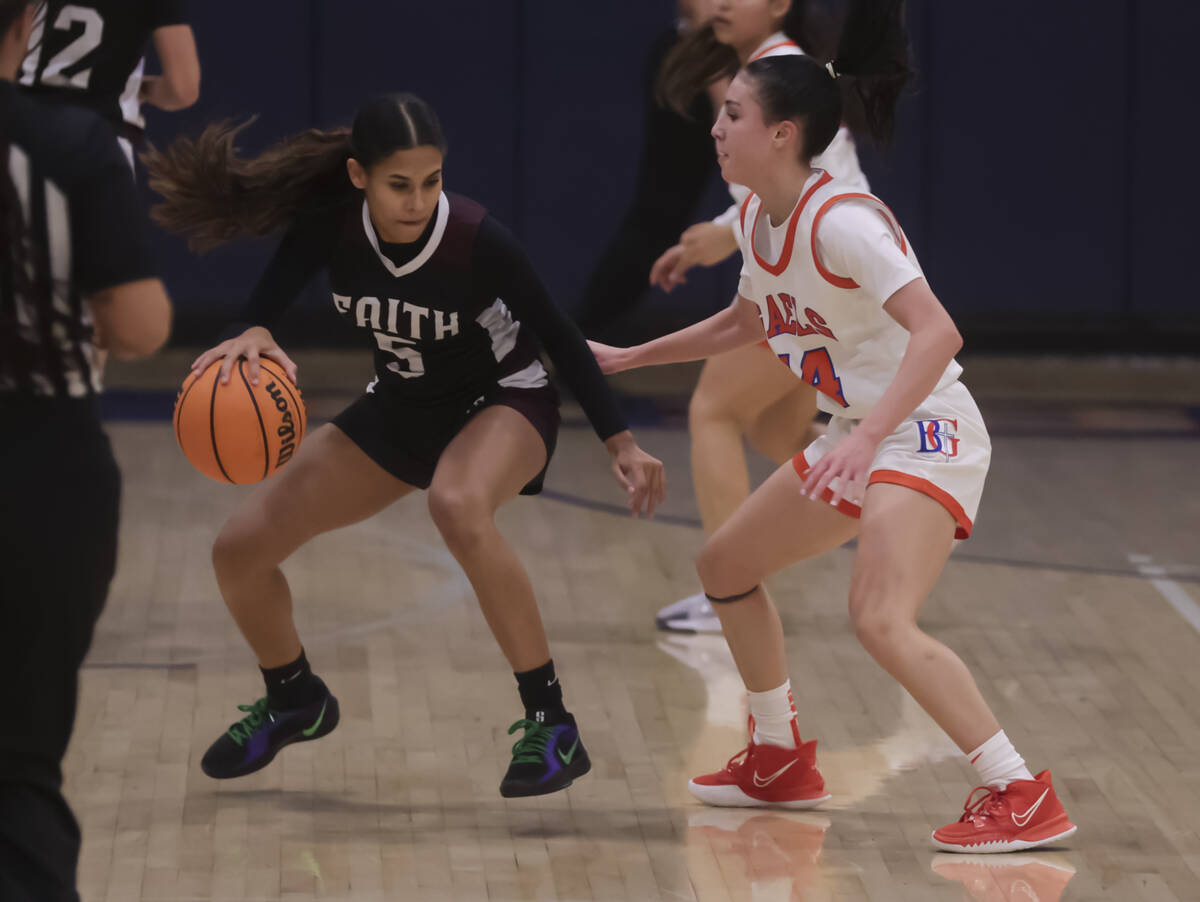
(1176, 596)
(964, 556)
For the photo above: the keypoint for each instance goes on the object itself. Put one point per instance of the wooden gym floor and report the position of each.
(1075, 605)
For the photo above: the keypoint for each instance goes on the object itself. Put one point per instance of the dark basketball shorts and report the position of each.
(408, 440)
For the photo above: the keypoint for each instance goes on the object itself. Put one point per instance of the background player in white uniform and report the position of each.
(743, 393)
(830, 279)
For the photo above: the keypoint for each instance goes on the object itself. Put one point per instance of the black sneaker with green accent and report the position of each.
(546, 759)
(254, 741)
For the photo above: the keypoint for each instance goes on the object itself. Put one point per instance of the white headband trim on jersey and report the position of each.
(829, 68)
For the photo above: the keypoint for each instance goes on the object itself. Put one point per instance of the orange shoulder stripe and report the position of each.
(767, 50)
(832, 278)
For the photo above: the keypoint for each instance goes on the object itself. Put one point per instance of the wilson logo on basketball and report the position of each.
(287, 430)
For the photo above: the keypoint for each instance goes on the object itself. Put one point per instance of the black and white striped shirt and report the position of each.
(67, 192)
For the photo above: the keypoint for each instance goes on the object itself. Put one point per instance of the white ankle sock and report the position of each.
(997, 762)
(774, 713)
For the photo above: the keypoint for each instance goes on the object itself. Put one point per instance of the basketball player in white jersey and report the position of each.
(834, 286)
(744, 393)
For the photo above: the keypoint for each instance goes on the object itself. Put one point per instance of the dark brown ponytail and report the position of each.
(873, 51)
(212, 195)
(872, 55)
(696, 61)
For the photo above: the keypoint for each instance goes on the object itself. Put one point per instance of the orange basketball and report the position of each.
(239, 432)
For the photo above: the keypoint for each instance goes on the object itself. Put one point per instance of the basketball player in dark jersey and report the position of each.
(676, 164)
(460, 403)
(75, 273)
(89, 52)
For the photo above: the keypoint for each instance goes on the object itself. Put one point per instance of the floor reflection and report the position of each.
(763, 856)
(1041, 877)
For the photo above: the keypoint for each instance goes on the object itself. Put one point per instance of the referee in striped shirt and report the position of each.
(75, 276)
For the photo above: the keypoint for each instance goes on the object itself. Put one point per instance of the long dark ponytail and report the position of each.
(212, 195)
(872, 52)
(698, 58)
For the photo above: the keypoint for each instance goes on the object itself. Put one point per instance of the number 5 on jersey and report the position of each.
(410, 363)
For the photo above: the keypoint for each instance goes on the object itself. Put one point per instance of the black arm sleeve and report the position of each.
(502, 268)
(304, 251)
(167, 12)
(108, 227)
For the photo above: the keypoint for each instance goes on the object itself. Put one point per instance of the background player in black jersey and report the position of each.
(460, 404)
(74, 268)
(89, 52)
(675, 165)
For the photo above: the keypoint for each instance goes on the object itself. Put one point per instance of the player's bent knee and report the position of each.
(234, 548)
(703, 409)
(254, 538)
(875, 626)
(722, 575)
(460, 516)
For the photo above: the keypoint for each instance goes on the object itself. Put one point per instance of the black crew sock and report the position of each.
(542, 693)
(293, 685)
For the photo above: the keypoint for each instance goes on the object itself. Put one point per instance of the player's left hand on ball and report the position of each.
(641, 474)
(849, 463)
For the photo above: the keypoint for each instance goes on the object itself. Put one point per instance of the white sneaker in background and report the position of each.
(693, 614)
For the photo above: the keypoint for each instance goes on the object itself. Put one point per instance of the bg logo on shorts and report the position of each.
(938, 437)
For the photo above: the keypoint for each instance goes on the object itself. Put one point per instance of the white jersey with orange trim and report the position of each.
(840, 157)
(820, 279)
(832, 332)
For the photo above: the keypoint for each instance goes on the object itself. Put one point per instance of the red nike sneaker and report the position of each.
(1024, 815)
(761, 776)
(995, 878)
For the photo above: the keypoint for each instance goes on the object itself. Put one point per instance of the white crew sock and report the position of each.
(774, 713)
(997, 762)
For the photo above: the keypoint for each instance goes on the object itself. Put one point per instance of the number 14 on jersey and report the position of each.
(816, 368)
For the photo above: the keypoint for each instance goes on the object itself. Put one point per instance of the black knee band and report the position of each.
(729, 598)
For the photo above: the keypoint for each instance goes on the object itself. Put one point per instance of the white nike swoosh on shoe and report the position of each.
(1022, 819)
(762, 782)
